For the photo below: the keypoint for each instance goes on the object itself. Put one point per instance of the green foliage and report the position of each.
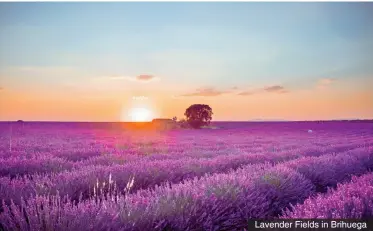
(272, 179)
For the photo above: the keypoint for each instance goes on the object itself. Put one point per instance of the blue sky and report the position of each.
(219, 45)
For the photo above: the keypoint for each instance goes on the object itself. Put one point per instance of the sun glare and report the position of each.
(140, 115)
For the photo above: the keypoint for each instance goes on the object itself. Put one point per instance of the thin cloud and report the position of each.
(120, 77)
(270, 89)
(177, 97)
(276, 88)
(144, 77)
(324, 82)
(208, 92)
(245, 93)
(1, 88)
(139, 78)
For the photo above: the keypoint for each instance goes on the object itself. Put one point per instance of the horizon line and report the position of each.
(218, 121)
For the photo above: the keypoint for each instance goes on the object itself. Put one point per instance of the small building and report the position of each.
(164, 123)
(162, 120)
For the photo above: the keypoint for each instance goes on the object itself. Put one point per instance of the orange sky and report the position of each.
(319, 101)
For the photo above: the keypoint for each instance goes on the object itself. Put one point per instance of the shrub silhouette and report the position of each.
(183, 123)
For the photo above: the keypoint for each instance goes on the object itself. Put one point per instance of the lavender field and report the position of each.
(123, 176)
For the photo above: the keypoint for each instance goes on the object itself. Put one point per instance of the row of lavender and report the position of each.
(28, 162)
(147, 174)
(351, 200)
(214, 202)
(81, 144)
(79, 177)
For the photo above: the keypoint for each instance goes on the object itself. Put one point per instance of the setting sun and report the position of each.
(140, 115)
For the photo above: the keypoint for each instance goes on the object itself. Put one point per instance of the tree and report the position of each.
(198, 115)
(174, 118)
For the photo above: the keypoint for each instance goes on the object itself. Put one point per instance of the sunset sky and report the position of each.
(248, 61)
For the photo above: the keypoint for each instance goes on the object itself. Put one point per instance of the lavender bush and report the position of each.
(328, 170)
(352, 200)
(18, 166)
(220, 201)
(147, 174)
